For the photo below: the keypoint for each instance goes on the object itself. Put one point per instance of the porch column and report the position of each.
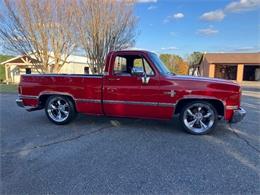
(212, 70)
(240, 72)
(6, 73)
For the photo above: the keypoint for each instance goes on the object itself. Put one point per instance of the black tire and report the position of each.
(201, 119)
(65, 108)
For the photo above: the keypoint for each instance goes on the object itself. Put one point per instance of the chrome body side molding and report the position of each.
(88, 100)
(97, 101)
(28, 97)
(139, 103)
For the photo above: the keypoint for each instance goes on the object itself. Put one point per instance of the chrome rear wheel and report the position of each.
(59, 109)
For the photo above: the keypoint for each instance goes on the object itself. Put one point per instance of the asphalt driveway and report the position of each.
(110, 155)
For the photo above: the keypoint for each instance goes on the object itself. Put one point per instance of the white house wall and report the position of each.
(73, 68)
(15, 72)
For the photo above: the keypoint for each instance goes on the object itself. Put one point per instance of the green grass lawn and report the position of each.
(11, 88)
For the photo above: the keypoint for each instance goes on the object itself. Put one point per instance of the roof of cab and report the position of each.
(133, 50)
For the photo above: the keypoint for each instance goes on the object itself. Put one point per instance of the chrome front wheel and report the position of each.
(198, 117)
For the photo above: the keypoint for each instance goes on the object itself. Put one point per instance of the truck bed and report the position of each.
(85, 90)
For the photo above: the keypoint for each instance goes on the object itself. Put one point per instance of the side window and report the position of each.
(120, 65)
(138, 64)
(142, 65)
(148, 69)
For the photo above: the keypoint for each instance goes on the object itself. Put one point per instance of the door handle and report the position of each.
(113, 79)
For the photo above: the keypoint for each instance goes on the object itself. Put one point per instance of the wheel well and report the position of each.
(218, 105)
(43, 99)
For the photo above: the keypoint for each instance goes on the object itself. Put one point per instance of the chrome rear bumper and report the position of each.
(19, 102)
(238, 115)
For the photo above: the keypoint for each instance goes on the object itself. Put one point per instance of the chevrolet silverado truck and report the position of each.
(134, 84)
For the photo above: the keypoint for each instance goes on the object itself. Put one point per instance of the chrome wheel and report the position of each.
(58, 109)
(199, 118)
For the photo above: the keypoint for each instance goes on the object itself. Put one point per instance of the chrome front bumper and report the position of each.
(19, 102)
(238, 115)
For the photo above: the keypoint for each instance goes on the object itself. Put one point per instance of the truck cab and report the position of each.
(132, 83)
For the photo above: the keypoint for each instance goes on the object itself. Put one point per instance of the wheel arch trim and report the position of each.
(55, 93)
(200, 97)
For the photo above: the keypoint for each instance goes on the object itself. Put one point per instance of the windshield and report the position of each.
(159, 64)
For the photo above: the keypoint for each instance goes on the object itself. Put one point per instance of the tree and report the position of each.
(194, 60)
(174, 63)
(181, 68)
(168, 61)
(36, 28)
(103, 26)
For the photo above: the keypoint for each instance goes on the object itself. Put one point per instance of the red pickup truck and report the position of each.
(134, 84)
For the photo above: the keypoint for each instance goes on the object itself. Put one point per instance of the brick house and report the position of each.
(232, 66)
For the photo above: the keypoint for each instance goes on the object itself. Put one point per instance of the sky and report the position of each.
(183, 26)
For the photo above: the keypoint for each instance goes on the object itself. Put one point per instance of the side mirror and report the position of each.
(137, 72)
(140, 73)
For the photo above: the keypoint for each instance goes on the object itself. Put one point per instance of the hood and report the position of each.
(206, 81)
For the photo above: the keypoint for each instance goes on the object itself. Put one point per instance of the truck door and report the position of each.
(126, 93)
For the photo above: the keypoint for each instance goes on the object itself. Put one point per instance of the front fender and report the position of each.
(220, 105)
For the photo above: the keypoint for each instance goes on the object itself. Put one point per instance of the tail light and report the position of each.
(19, 89)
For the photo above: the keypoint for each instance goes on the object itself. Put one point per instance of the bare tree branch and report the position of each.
(103, 26)
(39, 29)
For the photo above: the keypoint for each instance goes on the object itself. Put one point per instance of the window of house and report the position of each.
(16, 71)
(86, 70)
(28, 70)
(95, 70)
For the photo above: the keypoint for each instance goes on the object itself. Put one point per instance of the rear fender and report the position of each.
(43, 96)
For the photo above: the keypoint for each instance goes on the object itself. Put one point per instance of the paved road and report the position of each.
(109, 155)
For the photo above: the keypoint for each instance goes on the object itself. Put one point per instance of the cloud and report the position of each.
(233, 7)
(246, 48)
(176, 16)
(208, 31)
(239, 49)
(242, 5)
(151, 7)
(169, 48)
(216, 15)
(146, 1)
(173, 33)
